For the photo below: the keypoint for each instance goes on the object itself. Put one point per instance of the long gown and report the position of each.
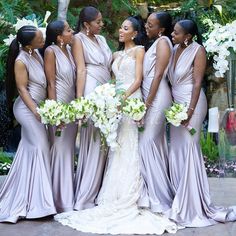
(157, 192)
(117, 211)
(63, 147)
(27, 190)
(92, 156)
(192, 205)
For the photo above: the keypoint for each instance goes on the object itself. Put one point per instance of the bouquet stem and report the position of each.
(191, 130)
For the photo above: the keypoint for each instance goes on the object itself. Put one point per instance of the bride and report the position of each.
(117, 211)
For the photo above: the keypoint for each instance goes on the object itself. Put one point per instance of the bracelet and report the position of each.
(190, 108)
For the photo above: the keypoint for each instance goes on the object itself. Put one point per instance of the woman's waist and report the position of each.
(185, 96)
(99, 72)
(38, 97)
(162, 88)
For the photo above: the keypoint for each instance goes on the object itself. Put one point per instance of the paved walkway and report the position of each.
(223, 192)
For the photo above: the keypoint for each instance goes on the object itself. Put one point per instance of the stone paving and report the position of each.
(223, 192)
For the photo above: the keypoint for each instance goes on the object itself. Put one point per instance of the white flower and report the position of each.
(134, 108)
(220, 41)
(176, 114)
(9, 40)
(22, 22)
(105, 113)
(47, 15)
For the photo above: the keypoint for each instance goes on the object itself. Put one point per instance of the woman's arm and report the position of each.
(138, 73)
(199, 67)
(163, 53)
(50, 72)
(21, 76)
(78, 54)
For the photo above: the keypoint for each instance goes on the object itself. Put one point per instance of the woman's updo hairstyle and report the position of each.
(190, 27)
(87, 14)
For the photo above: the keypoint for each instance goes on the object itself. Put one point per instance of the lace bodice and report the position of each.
(123, 68)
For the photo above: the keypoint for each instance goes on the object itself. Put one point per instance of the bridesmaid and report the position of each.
(93, 58)
(60, 74)
(27, 190)
(192, 205)
(157, 192)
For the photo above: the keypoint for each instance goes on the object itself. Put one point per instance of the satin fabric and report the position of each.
(63, 148)
(27, 190)
(157, 192)
(92, 157)
(192, 206)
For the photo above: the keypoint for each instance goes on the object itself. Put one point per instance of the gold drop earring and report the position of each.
(186, 42)
(87, 32)
(30, 52)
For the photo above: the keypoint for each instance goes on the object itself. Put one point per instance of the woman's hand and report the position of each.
(37, 116)
(185, 123)
(147, 104)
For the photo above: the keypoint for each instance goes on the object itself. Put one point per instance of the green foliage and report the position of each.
(209, 147)
(226, 151)
(204, 16)
(4, 157)
(119, 10)
(5, 162)
(3, 56)
(114, 12)
(10, 10)
(14, 8)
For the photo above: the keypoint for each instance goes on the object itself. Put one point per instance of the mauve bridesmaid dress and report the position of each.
(63, 147)
(157, 192)
(192, 205)
(92, 157)
(27, 190)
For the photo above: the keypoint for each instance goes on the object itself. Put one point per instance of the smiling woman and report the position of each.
(93, 60)
(117, 211)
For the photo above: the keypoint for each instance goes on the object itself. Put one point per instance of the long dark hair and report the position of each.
(87, 14)
(165, 21)
(190, 27)
(54, 29)
(24, 36)
(138, 25)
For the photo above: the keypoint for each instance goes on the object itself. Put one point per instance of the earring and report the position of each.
(159, 34)
(87, 32)
(30, 52)
(186, 42)
(61, 44)
(132, 38)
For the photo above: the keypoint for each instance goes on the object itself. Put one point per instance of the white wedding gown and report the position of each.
(117, 211)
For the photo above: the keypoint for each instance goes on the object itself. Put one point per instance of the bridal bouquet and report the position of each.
(178, 113)
(220, 42)
(105, 114)
(53, 113)
(135, 109)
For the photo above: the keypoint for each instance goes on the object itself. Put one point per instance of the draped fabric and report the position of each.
(27, 190)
